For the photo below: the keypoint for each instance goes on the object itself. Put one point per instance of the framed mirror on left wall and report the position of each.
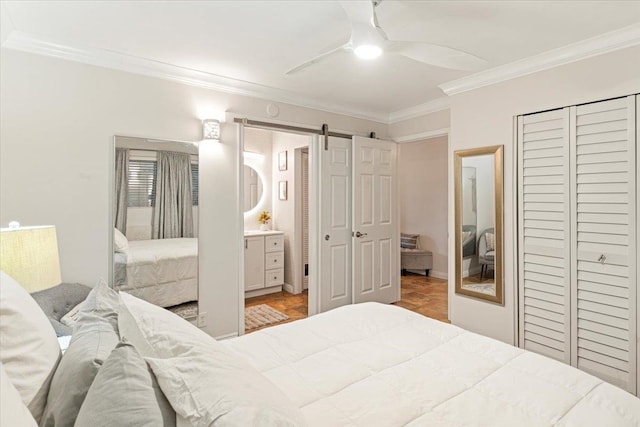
(155, 222)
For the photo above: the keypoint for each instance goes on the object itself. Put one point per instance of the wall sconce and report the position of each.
(210, 129)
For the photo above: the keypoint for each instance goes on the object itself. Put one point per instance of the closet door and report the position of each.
(544, 211)
(604, 247)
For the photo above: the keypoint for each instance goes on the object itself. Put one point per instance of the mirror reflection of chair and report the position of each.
(486, 251)
(468, 240)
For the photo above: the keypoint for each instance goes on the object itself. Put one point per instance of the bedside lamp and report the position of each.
(30, 256)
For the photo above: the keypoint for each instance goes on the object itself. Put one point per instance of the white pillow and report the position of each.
(120, 242)
(12, 409)
(205, 383)
(29, 348)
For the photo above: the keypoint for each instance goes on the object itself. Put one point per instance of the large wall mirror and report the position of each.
(155, 230)
(478, 223)
(253, 188)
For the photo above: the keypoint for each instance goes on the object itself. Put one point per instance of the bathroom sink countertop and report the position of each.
(262, 233)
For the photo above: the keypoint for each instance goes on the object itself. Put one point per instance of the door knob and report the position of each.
(359, 234)
(327, 237)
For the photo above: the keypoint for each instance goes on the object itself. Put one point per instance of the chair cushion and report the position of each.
(490, 238)
(490, 255)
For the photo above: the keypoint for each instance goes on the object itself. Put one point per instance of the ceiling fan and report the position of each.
(368, 41)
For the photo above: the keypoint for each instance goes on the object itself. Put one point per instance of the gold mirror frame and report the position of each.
(496, 150)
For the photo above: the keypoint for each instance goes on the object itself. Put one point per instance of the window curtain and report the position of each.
(173, 211)
(121, 184)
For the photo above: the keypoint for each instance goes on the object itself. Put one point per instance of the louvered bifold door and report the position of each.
(544, 212)
(604, 255)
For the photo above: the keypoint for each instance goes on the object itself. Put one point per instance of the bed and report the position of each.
(163, 271)
(381, 365)
(359, 365)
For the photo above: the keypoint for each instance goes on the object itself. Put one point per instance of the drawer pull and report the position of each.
(275, 277)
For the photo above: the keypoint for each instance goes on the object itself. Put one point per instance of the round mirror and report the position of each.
(252, 188)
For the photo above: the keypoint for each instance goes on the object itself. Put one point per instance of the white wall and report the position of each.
(259, 141)
(422, 180)
(284, 210)
(61, 117)
(484, 117)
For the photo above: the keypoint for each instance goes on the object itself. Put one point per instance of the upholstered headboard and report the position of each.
(58, 300)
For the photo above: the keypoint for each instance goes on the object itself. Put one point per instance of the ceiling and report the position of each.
(255, 42)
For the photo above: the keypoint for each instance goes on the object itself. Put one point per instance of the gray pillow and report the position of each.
(125, 393)
(95, 335)
(409, 241)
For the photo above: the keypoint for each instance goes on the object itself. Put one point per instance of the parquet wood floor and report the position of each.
(424, 295)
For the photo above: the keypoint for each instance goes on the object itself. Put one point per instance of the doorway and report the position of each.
(352, 222)
(423, 171)
(275, 164)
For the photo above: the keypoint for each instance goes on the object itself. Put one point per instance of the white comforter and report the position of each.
(163, 271)
(380, 365)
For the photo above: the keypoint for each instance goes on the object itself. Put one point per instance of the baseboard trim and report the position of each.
(226, 336)
(439, 275)
(289, 288)
(260, 292)
(432, 273)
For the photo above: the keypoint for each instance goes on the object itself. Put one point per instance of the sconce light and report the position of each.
(210, 129)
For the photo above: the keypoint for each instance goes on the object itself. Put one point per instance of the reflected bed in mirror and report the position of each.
(478, 223)
(155, 211)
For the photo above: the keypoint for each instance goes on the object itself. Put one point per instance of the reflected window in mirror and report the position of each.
(478, 223)
(155, 206)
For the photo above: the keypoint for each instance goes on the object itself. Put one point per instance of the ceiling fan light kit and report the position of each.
(368, 51)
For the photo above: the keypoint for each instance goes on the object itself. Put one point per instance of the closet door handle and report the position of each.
(602, 259)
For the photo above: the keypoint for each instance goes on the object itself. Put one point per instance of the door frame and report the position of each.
(313, 201)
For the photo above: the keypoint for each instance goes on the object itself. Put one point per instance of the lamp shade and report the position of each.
(30, 256)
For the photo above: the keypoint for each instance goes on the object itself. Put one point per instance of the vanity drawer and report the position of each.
(274, 243)
(274, 277)
(274, 260)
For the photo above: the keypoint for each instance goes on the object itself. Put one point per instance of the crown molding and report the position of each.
(22, 41)
(608, 42)
(422, 136)
(437, 104)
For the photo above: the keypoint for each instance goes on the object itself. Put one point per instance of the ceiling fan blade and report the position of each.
(359, 12)
(440, 56)
(317, 59)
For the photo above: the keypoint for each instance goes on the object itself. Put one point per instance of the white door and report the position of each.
(334, 224)
(603, 209)
(376, 271)
(545, 233)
